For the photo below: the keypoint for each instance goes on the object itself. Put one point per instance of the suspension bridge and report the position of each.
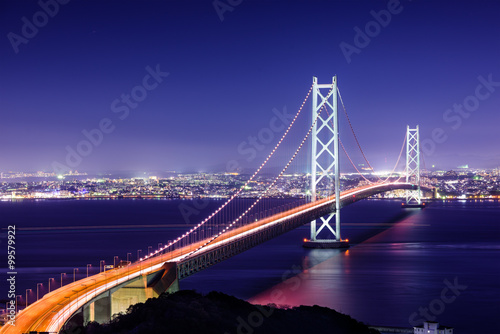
(237, 225)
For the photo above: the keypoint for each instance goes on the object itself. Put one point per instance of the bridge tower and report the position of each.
(413, 198)
(325, 163)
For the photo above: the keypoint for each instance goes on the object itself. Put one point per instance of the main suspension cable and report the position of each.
(266, 191)
(355, 137)
(242, 187)
(397, 162)
(352, 163)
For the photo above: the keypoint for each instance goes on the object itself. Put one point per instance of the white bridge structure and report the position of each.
(232, 229)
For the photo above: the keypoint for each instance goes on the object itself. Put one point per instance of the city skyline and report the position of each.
(448, 185)
(207, 77)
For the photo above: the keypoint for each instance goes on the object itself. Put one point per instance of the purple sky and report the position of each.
(225, 77)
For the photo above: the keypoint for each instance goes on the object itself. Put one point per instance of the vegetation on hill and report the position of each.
(190, 312)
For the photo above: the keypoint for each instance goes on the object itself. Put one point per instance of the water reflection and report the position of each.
(392, 273)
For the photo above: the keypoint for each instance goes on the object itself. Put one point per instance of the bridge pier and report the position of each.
(98, 311)
(133, 293)
(323, 243)
(118, 299)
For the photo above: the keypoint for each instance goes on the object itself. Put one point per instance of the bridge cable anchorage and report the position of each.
(262, 195)
(355, 137)
(246, 183)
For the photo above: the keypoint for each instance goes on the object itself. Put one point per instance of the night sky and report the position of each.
(218, 74)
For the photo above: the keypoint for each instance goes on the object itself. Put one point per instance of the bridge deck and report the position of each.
(51, 311)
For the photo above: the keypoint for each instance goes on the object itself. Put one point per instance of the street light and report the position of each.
(61, 278)
(16, 300)
(49, 283)
(149, 249)
(139, 251)
(114, 261)
(101, 265)
(27, 296)
(128, 255)
(37, 285)
(88, 265)
(74, 273)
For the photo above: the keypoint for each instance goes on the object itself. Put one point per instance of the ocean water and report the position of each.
(405, 265)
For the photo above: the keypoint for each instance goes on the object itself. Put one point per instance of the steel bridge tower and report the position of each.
(413, 166)
(325, 163)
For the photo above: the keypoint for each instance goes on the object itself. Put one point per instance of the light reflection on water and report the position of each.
(390, 275)
(398, 263)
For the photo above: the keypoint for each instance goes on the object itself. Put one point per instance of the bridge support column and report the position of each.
(100, 310)
(137, 290)
(325, 174)
(413, 196)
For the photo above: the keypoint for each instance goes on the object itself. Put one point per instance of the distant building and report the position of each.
(431, 327)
